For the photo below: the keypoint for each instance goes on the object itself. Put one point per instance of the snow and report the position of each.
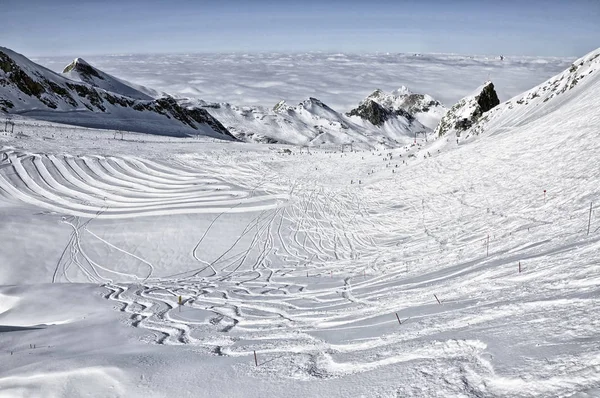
(335, 285)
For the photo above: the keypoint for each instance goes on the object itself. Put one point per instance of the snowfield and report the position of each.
(152, 266)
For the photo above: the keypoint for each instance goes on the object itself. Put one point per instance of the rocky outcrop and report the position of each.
(280, 106)
(401, 103)
(372, 112)
(405, 99)
(487, 99)
(468, 111)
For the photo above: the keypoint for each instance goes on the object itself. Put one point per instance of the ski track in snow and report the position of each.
(313, 283)
(400, 273)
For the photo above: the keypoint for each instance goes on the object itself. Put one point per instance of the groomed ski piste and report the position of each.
(152, 266)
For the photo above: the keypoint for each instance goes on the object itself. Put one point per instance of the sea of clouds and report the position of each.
(339, 80)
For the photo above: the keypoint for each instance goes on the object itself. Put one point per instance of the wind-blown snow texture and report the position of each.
(347, 275)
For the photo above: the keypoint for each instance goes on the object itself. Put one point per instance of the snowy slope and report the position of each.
(28, 88)
(470, 272)
(578, 83)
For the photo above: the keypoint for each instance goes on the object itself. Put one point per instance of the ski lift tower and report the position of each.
(9, 124)
(420, 132)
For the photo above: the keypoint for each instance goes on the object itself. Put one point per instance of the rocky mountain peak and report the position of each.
(280, 106)
(371, 111)
(402, 103)
(487, 98)
(81, 66)
(466, 112)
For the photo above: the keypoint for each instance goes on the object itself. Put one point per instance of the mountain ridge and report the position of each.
(542, 100)
(30, 89)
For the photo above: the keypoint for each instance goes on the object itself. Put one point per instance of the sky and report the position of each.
(90, 27)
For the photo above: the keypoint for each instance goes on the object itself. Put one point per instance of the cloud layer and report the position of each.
(339, 80)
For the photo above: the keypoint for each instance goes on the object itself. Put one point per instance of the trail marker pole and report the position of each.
(398, 318)
(590, 219)
(438, 300)
(519, 267)
(487, 250)
(255, 359)
(544, 196)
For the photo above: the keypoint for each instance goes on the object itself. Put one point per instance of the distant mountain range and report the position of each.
(86, 96)
(83, 95)
(389, 119)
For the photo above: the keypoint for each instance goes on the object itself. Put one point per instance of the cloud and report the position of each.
(339, 80)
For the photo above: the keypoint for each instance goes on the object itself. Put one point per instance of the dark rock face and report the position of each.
(169, 107)
(488, 98)
(18, 77)
(5, 105)
(463, 124)
(371, 111)
(455, 121)
(202, 116)
(405, 114)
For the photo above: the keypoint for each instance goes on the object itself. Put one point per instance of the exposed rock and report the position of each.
(468, 111)
(5, 105)
(17, 76)
(406, 104)
(280, 106)
(488, 98)
(371, 111)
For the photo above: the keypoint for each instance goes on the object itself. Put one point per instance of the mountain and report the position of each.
(80, 70)
(311, 122)
(401, 102)
(563, 102)
(466, 112)
(30, 89)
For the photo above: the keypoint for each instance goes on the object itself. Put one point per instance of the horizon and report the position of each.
(208, 76)
(465, 27)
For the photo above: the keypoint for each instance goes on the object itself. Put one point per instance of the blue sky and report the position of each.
(84, 27)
